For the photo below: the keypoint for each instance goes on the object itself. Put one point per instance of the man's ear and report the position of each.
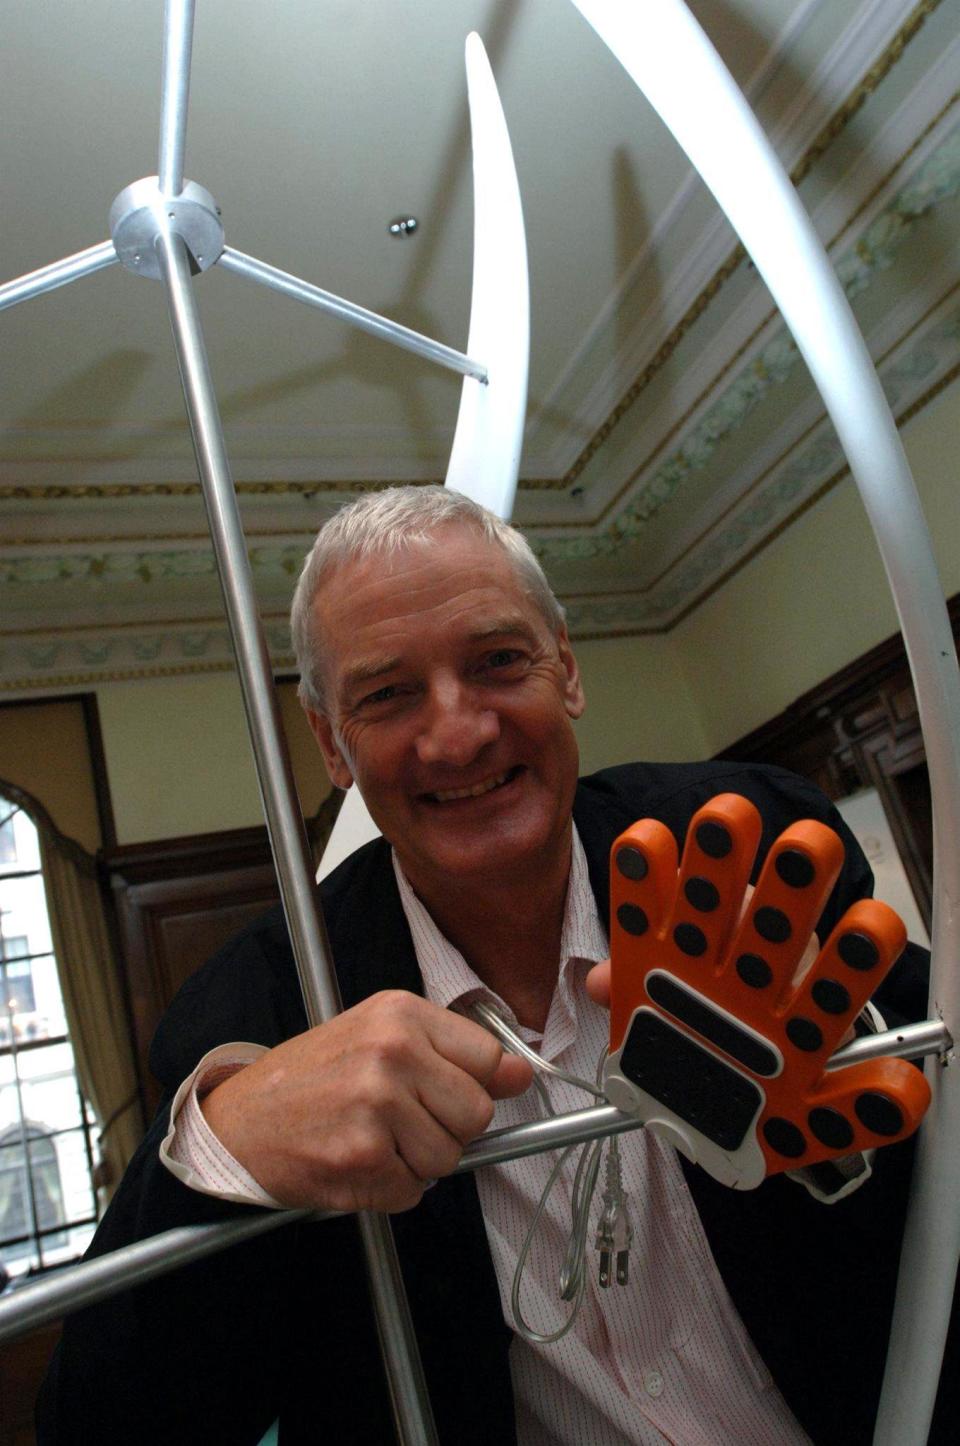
(337, 766)
(573, 696)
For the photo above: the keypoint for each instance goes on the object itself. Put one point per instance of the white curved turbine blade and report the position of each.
(485, 458)
(352, 827)
(663, 48)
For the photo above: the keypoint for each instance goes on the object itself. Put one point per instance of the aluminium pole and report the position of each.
(58, 273)
(92, 1280)
(174, 93)
(413, 1413)
(348, 311)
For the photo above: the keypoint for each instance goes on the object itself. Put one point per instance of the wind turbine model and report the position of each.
(167, 228)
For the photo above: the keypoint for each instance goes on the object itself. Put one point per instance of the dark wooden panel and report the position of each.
(175, 908)
(860, 728)
(23, 1364)
(177, 901)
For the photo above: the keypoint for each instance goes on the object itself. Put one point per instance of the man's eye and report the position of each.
(380, 695)
(503, 657)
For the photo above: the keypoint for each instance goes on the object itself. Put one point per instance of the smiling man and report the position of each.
(438, 677)
(450, 698)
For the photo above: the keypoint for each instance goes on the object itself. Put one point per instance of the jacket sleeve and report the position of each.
(162, 1361)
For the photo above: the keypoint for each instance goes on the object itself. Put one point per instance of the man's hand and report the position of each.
(364, 1111)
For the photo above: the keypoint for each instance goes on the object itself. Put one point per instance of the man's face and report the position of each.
(450, 704)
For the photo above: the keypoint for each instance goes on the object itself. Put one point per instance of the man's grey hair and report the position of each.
(385, 522)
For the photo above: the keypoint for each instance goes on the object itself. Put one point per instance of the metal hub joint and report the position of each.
(141, 212)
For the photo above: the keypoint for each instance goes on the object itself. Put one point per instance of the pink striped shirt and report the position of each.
(663, 1359)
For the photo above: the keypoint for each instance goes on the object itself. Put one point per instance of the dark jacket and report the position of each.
(215, 1351)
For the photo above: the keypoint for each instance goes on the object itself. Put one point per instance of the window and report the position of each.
(31, 1201)
(8, 842)
(47, 1197)
(17, 981)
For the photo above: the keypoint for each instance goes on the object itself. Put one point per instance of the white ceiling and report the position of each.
(671, 430)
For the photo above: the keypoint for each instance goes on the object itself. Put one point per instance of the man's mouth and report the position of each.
(476, 790)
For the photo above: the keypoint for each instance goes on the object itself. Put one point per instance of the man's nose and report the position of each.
(457, 727)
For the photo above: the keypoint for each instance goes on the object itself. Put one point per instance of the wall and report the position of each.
(179, 761)
(639, 703)
(817, 597)
(43, 749)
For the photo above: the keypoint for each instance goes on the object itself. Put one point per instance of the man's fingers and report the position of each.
(459, 1104)
(361, 1111)
(512, 1076)
(464, 1043)
(424, 1143)
(598, 983)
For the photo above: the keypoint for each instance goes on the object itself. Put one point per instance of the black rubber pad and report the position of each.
(690, 940)
(831, 1128)
(714, 839)
(784, 1137)
(830, 996)
(632, 918)
(804, 1034)
(631, 863)
(772, 925)
(879, 1113)
(857, 951)
(795, 869)
(700, 1015)
(702, 894)
(709, 1094)
(754, 971)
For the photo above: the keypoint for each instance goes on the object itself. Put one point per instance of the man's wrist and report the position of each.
(192, 1149)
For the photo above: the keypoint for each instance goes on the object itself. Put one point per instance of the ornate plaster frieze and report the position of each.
(60, 659)
(803, 477)
(138, 566)
(55, 660)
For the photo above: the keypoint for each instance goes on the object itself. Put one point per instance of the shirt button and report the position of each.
(653, 1383)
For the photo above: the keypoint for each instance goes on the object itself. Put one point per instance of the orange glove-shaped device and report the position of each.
(719, 1037)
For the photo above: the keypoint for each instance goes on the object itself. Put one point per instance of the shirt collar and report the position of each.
(450, 982)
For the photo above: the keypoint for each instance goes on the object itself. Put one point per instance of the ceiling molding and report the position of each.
(790, 486)
(57, 659)
(936, 180)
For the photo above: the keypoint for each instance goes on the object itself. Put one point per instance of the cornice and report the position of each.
(41, 658)
(861, 93)
(46, 660)
(110, 491)
(783, 495)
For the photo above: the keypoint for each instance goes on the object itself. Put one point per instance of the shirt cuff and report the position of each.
(192, 1152)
